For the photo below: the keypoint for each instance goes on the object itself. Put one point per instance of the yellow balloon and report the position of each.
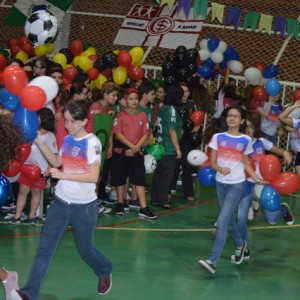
(22, 56)
(85, 63)
(50, 47)
(60, 58)
(76, 61)
(116, 51)
(99, 81)
(89, 51)
(40, 50)
(139, 63)
(120, 75)
(137, 54)
(93, 85)
(68, 66)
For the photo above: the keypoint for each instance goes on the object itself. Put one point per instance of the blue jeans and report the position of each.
(83, 218)
(229, 197)
(272, 217)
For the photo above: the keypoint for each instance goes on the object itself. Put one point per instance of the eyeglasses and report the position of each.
(233, 116)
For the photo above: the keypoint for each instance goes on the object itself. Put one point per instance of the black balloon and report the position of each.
(171, 58)
(188, 125)
(110, 59)
(192, 69)
(182, 74)
(183, 113)
(168, 68)
(169, 80)
(181, 60)
(191, 55)
(180, 49)
(195, 138)
(68, 54)
(99, 65)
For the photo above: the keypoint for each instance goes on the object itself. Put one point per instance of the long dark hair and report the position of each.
(174, 95)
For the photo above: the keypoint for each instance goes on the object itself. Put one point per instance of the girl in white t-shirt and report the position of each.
(36, 157)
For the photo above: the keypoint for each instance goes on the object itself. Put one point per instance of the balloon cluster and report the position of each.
(216, 57)
(180, 65)
(257, 75)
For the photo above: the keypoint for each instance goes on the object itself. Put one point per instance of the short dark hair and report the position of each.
(145, 88)
(46, 118)
(174, 95)
(78, 109)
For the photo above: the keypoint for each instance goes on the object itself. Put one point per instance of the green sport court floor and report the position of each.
(158, 259)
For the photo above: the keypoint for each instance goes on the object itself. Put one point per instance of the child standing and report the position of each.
(75, 202)
(37, 158)
(228, 157)
(131, 130)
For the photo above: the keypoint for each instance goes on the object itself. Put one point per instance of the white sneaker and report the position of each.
(113, 195)
(250, 214)
(104, 210)
(10, 283)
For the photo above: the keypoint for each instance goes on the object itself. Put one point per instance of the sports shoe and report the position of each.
(239, 254)
(104, 285)
(126, 206)
(208, 266)
(9, 206)
(134, 204)
(288, 217)
(173, 192)
(246, 256)
(17, 295)
(14, 221)
(109, 201)
(120, 209)
(10, 283)
(104, 210)
(113, 195)
(147, 213)
(32, 221)
(251, 214)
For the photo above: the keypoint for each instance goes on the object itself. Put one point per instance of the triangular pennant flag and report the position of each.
(251, 20)
(293, 28)
(170, 3)
(200, 8)
(21, 10)
(280, 26)
(186, 5)
(217, 12)
(265, 23)
(233, 15)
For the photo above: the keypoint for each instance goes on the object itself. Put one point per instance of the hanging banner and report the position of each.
(147, 25)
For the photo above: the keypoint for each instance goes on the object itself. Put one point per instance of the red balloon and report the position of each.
(2, 62)
(28, 48)
(1, 76)
(13, 168)
(93, 58)
(106, 73)
(33, 97)
(124, 58)
(197, 117)
(23, 40)
(270, 167)
(135, 72)
(23, 151)
(252, 165)
(76, 47)
(93, 73)
(70, 73)
(14, 79)
(297, 95)
(31, 171)
(260, 66)
(286, 183)
(259, 94)
(13, 42)
(14, 50)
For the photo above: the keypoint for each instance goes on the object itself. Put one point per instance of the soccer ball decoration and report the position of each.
(41, 27)
(150, 163)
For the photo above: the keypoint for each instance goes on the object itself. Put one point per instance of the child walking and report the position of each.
(75, 202)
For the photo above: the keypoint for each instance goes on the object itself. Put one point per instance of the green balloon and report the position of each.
(157, 150)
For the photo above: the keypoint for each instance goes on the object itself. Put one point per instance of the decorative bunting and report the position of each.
(265, 23)
(233, 15)
(186, 5)
(293, 28)
(170, 3)
(251, 20)
(280, 26)
(200, 8)
(217, 12)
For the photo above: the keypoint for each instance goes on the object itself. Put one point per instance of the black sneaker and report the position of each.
(104, 285)
(208, 266)
(255, 212)
(246, 256)
(239, 254)
(288, 217)
(120, 209)
(147, 213)
(134, 204)
(126, 207)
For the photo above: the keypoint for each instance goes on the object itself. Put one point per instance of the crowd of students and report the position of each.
(67, 150)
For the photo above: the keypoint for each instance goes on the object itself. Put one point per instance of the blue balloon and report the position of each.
(28, 121)
(209, 62)
(229, 53)
(213, 43)
(207, 176)
(270, 198)
(235, 55)
(204, 71)
(223, 64)
(272, 87)
(270, 71)
(5, 190)
(8, 100)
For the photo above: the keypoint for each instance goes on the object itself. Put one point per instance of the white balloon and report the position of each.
(217, 57)
(150, 163)
(222, 47)
(235, 66)
(257, 190)
(14, 179)
(253, 74)
(204, 54)
(203, 44)
(196, 157)
(47, 84)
